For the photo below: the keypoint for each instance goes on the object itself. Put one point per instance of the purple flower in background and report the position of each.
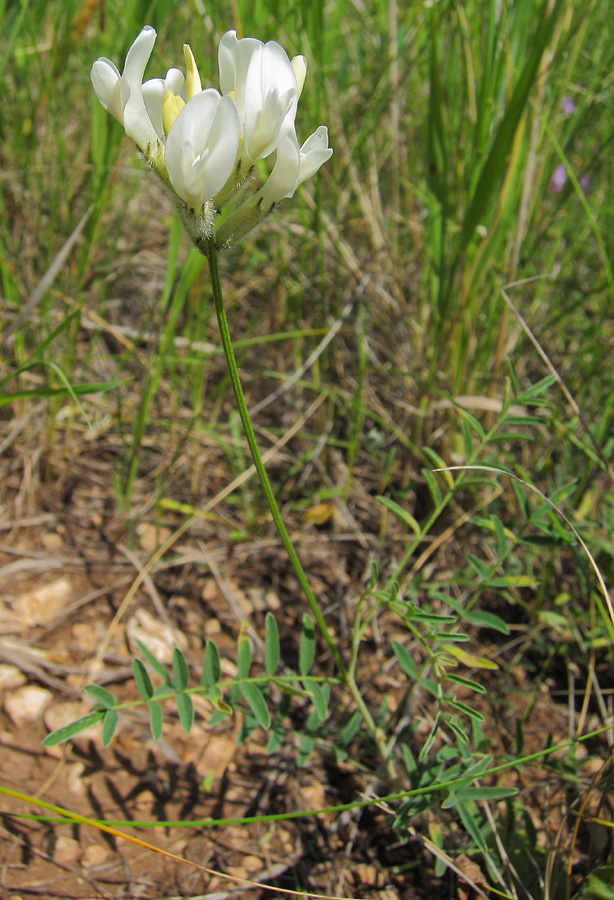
(567, 105)
(558, 179)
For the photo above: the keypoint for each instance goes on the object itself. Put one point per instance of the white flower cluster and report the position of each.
(203, 143)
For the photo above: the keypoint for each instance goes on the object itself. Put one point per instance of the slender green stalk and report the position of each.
(212, 259)
(209, 249)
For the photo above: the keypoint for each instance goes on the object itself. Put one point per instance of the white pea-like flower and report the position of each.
(202, 146)
(122, 95)
(266, 87)
(294, 165)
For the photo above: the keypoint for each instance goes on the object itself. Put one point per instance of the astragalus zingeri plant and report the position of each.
(204, 144)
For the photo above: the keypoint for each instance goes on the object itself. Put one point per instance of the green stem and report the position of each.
(209, 249)
(212, 259)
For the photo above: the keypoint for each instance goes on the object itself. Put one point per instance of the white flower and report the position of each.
(294, 165)
(202, 146)
(266, 88)
(154, 91)
(314, 153)
(122, 95)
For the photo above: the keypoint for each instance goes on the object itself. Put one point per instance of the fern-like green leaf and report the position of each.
(185, 708)
(320, 699)
(69, 731)
(180, 670)
(211, 665)
(307, 645)
(256, 703)
(401, 514)
(109, 724)
(155, 719)
(244, 653)
(271, 644)
(101, 695)
(349, 731)
(142, 679)
(405, 660)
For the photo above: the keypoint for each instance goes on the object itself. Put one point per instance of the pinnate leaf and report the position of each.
(180, 670)
(275, 739)
(101, 695)
(142, 679)
(320, 699)
(401, 514)
(155, 719)
(69, 731)
(211, 665)
(219, 704)
(185, 708)
(109, 724)
(271, 644)
(404, 659)
(244, 653)
(349, 731)
(487, 620)
(469, 659)
(486, 792)
(256, 703)
(466, 682)
(307, 645)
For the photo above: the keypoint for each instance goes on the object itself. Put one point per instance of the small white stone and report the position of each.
(41, 606)
(66, 851)
(51, 540)
(151, 536)
(74, 779)
(10, 677)
(212, 626)
(27, 704)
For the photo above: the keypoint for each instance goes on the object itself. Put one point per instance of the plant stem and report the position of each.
(209, 249)
(212, 258)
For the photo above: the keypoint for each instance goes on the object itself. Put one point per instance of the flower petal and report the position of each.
(233, 60)
(314, 153)
(106, 81)
(265, 88)
(226, 58)
(137, 123)
(283, 180)
(153, 95)
(270, 100)
(192, 76)
(299, 65)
